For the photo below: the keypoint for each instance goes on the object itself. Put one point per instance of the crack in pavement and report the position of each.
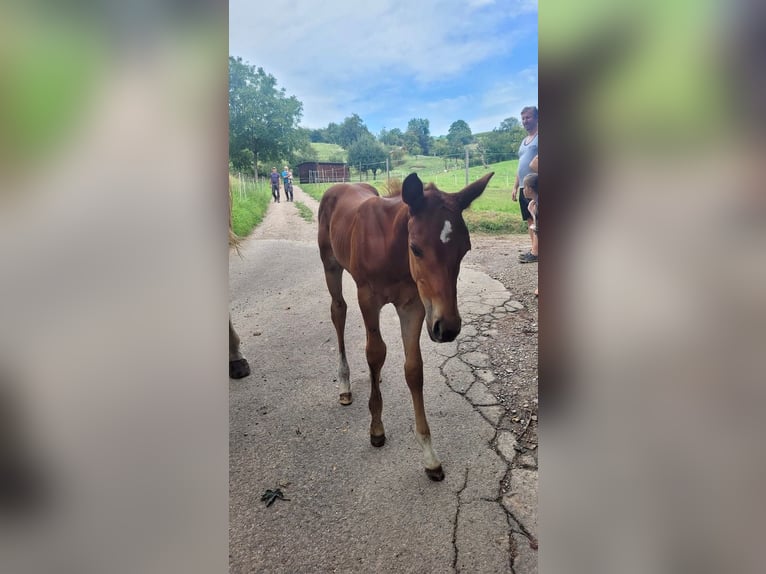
(467, 371)
(457, 517)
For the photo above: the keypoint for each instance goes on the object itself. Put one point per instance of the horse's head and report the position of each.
(438, 241)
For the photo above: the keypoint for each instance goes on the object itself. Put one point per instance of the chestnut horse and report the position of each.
(403, 249)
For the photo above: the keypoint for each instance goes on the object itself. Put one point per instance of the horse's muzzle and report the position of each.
(444, 331)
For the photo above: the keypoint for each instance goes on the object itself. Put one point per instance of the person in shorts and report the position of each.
(527, 151)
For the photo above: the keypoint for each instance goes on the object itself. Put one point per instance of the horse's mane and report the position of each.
(393, 188)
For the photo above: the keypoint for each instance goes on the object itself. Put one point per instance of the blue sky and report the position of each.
(393, 60)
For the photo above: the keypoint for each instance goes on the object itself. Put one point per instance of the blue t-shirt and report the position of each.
(274, 177)
(527, 153)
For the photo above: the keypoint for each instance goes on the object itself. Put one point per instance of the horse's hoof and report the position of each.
(238, 369)
(377, 440)
(346, 399)
(435, 474)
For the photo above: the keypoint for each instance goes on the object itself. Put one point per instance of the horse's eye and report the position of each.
(416, 251)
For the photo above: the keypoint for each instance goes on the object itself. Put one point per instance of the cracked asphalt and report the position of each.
(353, 507)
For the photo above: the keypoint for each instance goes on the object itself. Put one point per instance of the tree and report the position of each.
(419, 128)
(459, 136)
(367, 155)
(351, 130)
(317, 136)
(332, 133)
(411, 143)
(509, 125)
(440, 148)
(393, 137)
(263, 120)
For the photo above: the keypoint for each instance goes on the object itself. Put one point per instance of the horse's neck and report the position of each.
(400, 244)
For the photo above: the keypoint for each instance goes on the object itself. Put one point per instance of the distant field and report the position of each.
(492, 212)
(325, 150)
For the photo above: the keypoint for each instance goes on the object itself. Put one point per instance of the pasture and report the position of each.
(492, 212)
(329, 152)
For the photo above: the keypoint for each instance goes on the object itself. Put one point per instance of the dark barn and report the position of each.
(322, 172)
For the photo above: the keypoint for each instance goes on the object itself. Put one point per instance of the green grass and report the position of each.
(249, 206)
(492, 212)
(304, 211)
(325, 150)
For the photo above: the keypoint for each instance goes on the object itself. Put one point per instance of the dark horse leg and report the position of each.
(238, 366)
(376, 356)
(411, 315)
(333, 273)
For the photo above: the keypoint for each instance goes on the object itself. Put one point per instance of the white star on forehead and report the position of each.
(446, 231)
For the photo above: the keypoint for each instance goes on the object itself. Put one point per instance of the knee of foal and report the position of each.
(413, 371)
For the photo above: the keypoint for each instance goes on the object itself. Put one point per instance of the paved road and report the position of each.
(352, 507)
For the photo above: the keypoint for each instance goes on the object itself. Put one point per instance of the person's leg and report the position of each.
(533, 236)
(531, 255)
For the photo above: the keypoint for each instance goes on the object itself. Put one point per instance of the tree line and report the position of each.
(264, 131)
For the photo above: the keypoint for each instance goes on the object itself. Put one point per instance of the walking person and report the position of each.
(274, 184)
(287, 177)
(527, 152)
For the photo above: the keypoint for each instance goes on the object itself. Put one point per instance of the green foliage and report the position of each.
(503, 142)
(419, 128)
(249, 205)
(307, 152)
(304, 211)
(351, 130)
(459, 136)
(366, 154)
(262, 119)
(393, 137)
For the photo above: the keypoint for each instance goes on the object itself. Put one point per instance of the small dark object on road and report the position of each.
(271, 495)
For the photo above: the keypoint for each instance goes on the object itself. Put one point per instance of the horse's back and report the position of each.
(337, 208)
(344, 197)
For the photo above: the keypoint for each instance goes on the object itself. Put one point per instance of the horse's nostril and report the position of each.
(437, 329)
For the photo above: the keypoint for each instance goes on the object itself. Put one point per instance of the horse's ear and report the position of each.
(473, 190)
(412, 192)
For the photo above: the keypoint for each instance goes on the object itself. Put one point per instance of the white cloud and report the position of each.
(347, 55)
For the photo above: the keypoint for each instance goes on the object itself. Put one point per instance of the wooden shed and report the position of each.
(322, 172)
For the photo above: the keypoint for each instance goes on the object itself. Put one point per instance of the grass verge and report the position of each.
(250, 202)
(304, 211)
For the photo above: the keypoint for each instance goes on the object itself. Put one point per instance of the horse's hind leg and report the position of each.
(411, 317)
(238, 367)
(333, 274)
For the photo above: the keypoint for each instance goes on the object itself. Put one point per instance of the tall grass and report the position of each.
(249, 205)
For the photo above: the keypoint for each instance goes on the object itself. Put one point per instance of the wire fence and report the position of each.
(328, 175)
(242, 185)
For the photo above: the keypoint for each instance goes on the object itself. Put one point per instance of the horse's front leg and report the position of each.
(411, 315)
(376, 356)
